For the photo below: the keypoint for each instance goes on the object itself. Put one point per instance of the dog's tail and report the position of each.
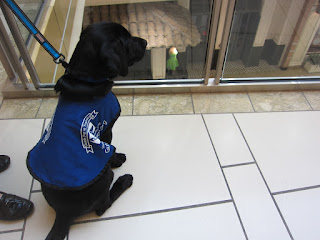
(60, 227)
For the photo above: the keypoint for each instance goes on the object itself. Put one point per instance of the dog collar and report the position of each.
(92, 79)
(87, 79)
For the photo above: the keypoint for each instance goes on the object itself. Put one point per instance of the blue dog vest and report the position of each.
(70, 154)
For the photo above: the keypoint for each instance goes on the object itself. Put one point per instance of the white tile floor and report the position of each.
(210, 176)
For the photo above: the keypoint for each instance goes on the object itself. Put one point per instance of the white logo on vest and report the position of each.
(91, 134)
(48, 131)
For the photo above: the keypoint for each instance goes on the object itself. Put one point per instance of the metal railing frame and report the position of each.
(21, 45)
(14, 65)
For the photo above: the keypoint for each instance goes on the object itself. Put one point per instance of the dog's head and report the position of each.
(104, 51)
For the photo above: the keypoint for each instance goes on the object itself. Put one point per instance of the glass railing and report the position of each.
(32, 9)
(189, 41)
(176, 32)
(274, 40)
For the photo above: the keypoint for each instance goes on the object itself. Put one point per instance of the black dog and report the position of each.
(74, 157)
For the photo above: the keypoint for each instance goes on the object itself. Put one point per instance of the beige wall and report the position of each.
(52, 27)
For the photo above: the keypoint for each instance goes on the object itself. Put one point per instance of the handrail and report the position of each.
(20, 44)
(11, 56)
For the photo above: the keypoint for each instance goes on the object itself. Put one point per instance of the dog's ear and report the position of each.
(114, 58)
(135, 50)
(84, 60)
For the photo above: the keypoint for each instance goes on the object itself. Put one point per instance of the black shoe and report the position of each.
(4, 162)
(13, 207)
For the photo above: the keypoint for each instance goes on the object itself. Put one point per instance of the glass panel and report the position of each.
(32, 9)
(274, 38)
(53, 24)
(175, 31)
(181, 24)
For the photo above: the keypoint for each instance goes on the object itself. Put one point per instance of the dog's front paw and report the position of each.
(121, 157)
(125, 181)
(100, 211)
(117, 160)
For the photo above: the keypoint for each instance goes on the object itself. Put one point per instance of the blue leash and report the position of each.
(57, 57)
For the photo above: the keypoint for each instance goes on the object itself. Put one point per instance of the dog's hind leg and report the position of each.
(60, 227)
(122, 184)
(104, 202)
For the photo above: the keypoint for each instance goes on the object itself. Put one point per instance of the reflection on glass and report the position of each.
(31, 9)
(164, 25)
(181, 24)
(274, 38)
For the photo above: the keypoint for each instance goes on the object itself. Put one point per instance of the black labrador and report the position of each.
(104, 51)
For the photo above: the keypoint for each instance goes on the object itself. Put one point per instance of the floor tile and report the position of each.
(39, 224)
(314, 99)
(227, 139)
(19, 108)
(221, 103)
(279, 101)
(17, 139)
(257, 210)
(211, 222)
(285, 145)
(302, 213)
(47, 107)
(126, 105)
(11, 236)
(162, 104)
(170, 169)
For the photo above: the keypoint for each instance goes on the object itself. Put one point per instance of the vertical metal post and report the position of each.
(11, 55)
(6, 63)
(224, 42)
(20, 44)
(301, 22)
(215, 14)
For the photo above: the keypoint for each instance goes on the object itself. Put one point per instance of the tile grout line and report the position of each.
(254, 110)
(36, 191)
(307, 100)
(5, 119)
(296, 190)
(23, 228)
(194, 112)
(160, 115)
(225, 179)
(132, 105)
(213, 113)
(264, 180)
(152, 212)
(1, 103)
(237, 165)
(35, 117)
(10, 231)
(178, 114)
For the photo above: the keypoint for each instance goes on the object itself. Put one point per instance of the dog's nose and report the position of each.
(145, 42)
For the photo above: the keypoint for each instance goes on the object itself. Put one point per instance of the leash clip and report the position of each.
(60, 59)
